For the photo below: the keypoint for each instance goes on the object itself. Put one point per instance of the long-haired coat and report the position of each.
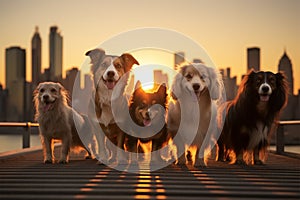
(107, 71)
(250, 117)
(195, 90)
(57, 121)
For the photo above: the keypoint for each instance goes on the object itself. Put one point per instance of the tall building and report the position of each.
(15, 63)
(70, 83)
(160, 78)
(178, 59)
(253, 58)
(56, 54)
(229, 84)
(36, 57)
(285, 65)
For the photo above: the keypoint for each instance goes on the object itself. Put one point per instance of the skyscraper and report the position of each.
(15, 62)
(36, 57)
(56, 53)
(253, 58)
(285, 65)
(178, 59)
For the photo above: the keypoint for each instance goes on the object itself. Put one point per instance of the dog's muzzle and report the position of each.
(264, 92)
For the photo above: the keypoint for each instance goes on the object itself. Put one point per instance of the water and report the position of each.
(9, 142)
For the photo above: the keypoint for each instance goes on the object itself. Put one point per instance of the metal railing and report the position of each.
(280, 143)
(26, 133)
(27, 125)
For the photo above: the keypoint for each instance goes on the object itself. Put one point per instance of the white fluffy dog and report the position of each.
(57, 120)
(192, 112)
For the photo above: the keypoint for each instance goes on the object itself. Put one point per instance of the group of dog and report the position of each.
(191, 114)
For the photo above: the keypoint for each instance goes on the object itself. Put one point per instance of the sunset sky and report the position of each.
(224, 29)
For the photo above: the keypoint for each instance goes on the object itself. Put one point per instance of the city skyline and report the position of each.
(224, 30)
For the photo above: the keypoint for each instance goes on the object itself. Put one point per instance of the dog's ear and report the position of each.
(162, 90)
(63, 93)
(282, 91)
(215, 83)
(129, 61)
(96, 55)
(176, 85)
(138, 85)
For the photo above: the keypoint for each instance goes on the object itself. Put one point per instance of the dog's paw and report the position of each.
(47, 161)
(63, 161)
(199, 163)
(88, 157)
(258, 162)
(240, 162)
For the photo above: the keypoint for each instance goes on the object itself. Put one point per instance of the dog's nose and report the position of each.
(148, 114)
(46, 97)
(110, 74)
(265, 89)
(196, 86)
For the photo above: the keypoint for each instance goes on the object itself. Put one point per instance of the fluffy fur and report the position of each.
(107, 71)
(56, 120)
(251, 116)
(195, 83)
(148, 109)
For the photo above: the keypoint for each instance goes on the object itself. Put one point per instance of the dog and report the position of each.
(195, 91)
(251, 116)
(148, 110)
(107, 71)
(57, 121)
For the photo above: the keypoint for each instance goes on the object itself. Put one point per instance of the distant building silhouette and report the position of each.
(70, 80)
(36, 57)
(56, 54)
(15, 82)
(253, 58)
(178, 59)
(285, 65)
(160, 77)
(229, 84)
(197, 60)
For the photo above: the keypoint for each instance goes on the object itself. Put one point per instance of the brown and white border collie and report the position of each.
(250, 117)
(107, 71)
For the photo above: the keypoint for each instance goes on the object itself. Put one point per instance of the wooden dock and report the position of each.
(24, 176)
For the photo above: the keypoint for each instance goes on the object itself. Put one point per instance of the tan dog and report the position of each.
(193, 109)
(107, 71)
(57, 120)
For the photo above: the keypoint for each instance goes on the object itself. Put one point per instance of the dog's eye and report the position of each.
(104, 64)
(118, 66)
(142, 105)
(203, 77)
(189, 76)
(42, 90)
(53, 90)
(272, 79)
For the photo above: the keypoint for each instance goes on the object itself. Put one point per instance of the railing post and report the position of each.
(26, 136)
(280, 139)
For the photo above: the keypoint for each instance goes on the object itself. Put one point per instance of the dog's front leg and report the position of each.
(65, 149)
(120, 150)
(48, 151)
(257, 161)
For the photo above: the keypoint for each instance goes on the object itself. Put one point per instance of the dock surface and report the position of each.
(24, 176)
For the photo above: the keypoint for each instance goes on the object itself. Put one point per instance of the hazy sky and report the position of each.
(223, 28)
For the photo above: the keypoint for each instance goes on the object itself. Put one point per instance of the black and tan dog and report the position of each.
(148, 110)
(250, 117)
(107, 71)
